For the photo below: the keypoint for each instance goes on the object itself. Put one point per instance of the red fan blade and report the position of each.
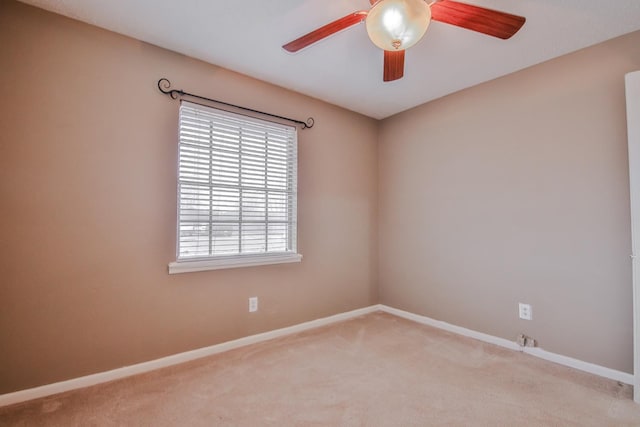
(393, 65)
(475, 18)
(322, 32)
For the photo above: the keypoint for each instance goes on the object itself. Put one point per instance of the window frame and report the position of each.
(214, 262)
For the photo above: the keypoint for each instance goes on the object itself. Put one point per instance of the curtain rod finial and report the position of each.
(308, 124)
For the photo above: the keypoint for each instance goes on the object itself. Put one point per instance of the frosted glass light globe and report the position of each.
(397, 24)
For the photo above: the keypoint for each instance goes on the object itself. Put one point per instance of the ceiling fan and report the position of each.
(396, 25)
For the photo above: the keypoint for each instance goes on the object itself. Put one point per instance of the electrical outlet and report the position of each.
(253, 304)
(525, 341)
(525, 311)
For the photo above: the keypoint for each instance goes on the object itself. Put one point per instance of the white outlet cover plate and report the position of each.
(525, 311)
(253, 304)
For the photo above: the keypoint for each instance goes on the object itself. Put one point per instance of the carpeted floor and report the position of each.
(376, 370)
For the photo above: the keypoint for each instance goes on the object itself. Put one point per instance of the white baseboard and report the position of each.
(451, 328)
(613, 374)
(127, 371)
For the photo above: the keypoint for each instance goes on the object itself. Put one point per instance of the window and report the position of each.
(237, 191)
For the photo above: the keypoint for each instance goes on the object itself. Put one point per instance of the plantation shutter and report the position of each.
(237, 185)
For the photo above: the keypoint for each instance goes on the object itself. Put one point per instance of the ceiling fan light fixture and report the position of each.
(397, 24)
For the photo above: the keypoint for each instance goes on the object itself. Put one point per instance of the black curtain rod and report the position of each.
(165, 87)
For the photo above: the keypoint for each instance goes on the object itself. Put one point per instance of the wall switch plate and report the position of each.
(525, 311)
(253, 304)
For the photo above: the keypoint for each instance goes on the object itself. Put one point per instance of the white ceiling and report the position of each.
(346, 69)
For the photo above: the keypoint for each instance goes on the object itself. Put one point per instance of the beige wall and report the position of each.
(512, 191)
(87, 207)
(517, 191)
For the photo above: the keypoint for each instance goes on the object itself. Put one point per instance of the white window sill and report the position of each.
(231, 262)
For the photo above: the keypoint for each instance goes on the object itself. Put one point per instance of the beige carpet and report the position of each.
(376, 370)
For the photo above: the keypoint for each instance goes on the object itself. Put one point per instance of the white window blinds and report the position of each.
(237, 185)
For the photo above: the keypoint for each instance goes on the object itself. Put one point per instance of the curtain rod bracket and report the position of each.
(165, 87)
